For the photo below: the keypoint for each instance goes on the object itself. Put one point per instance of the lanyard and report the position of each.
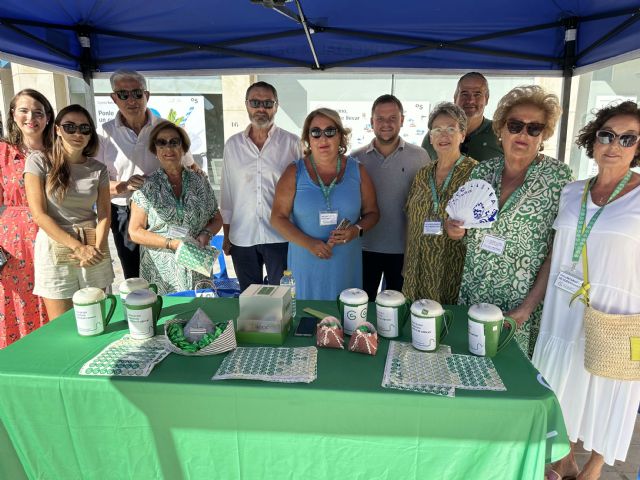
(445, 185)
(516, 192)
(180, 201)
(326, 189)
(583, 231)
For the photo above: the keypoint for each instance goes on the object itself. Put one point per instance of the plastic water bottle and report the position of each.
(287, 280)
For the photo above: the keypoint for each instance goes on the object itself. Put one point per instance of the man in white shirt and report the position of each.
(124, 149)
(253, 163)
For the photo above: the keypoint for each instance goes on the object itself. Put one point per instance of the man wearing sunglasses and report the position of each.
(253, 163)
(124, 150)
(472, 95)
(392, 164)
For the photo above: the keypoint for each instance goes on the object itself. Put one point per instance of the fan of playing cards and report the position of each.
(475, 203)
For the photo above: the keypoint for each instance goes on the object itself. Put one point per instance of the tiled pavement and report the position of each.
(620, 471)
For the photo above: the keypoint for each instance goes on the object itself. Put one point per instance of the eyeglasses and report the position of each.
(440, 130)
(71, 128)
(534, 129)
(268, 104)
(626, 140)
(171, 143)
(136, 93)
(328, 132)
(34, 113)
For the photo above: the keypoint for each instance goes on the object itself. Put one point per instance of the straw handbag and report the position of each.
(612, 344)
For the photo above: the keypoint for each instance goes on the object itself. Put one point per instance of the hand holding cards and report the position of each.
(475, 203)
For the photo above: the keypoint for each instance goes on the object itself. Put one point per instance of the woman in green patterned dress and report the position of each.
(173, 203)
(433, 262)
(508, 264)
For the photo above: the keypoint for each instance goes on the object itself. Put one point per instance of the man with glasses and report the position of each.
(253, 162)
(124, 149)
(392, 164)
(472, 95)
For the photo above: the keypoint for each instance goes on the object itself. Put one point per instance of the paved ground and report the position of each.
(620, 471)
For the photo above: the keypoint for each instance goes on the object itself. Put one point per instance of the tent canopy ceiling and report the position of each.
(104, 35)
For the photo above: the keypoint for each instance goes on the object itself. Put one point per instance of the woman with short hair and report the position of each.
(433, 261)
(507, 264)
(175, 204)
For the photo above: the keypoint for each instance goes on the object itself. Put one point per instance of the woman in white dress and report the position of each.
(597, 410)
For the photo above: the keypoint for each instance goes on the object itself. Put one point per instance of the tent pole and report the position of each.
(307, 33)
(570, 35)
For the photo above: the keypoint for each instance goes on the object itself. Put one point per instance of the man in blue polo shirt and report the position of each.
(472, 95)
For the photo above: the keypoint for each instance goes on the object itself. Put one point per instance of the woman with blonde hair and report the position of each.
(508, 264)
(316, 195)
(71, 250)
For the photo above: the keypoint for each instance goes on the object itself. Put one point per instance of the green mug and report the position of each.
(90, 310)
(143, 311)
(486, 323)
(430, 323)
(392, 312)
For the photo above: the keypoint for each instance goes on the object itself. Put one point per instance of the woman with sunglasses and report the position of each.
(508, 264)
(597, 410)
(433, 262)
(323, 204)
(71, 250)
(29, 129)
(173, 204)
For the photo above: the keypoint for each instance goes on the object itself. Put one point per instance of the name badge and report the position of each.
(569, 282)
(328, 218)
(493, 244)
(176, 231)
(432, 227)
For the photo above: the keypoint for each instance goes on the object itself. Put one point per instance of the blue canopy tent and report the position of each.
(89, 36)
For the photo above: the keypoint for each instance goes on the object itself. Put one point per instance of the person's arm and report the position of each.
(522, 313)
(36, 198)
(454, 228)
(140, 235)
(118, 187)
(225, 201)
(210, 230)
(281, 210)
(369, 212)
(103, 205)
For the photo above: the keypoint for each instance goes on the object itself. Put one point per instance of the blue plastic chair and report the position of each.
(217, 243)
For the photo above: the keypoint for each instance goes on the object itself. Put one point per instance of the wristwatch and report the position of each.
(360, 229)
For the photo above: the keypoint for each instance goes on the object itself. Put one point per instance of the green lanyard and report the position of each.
(326, 190)
(583, 231)
(445, 185)
(180, 201)
(516, 192)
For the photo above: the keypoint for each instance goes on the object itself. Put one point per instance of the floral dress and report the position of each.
(433, 263)
(21, 312)
(525, 222)
(193, 211)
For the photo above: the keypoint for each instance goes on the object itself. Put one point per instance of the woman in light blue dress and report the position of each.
(315, 198)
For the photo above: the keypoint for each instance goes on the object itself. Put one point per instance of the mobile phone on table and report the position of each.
(306, 327)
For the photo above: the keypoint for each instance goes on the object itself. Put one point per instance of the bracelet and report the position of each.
(204, 230)
(167, 243)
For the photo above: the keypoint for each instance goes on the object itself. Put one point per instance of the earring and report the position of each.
(541, 146)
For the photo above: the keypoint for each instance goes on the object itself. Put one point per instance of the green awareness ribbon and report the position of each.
(326, 189)
(445, 185)
(583, 231)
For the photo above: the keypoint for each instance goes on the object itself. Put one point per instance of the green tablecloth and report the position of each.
(177, 423)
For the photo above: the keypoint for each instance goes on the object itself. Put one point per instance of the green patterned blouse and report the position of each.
(433, 263)
(526, 225)
(198, 205)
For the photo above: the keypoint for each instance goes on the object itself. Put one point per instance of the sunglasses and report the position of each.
(172, 143)
(440, 130)
(626, 140)
(268, 104)
(534, 129)
(71, 128)
(136, 93)
(328, 132)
